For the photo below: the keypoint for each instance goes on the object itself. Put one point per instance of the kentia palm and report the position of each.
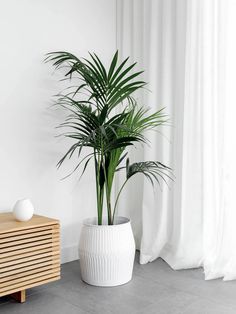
(104, 116)
(107, 120)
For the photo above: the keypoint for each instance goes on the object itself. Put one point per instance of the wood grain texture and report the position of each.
(9, 224)
(48, 251)
(9, 238)
(27, 231)
(27, 286)
(29, 253)
(52, 246)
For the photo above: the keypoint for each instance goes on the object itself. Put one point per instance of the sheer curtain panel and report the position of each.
(187, 50)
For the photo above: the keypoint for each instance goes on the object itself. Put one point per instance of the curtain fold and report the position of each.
(183, 48)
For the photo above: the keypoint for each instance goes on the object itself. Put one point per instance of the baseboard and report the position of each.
(69, 254)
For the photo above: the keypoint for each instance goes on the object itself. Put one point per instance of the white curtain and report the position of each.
(187, 49)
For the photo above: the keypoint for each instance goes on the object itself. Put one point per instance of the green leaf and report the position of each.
(112, 66)
(118, 70)
(152, 170)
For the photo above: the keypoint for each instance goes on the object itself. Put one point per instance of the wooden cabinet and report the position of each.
(29, 254)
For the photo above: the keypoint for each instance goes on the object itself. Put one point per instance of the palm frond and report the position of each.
(105, 88)
(152, 170)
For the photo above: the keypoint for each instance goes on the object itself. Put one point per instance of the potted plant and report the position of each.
(103, 120)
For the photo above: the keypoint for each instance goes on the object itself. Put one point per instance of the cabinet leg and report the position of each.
(19, 296)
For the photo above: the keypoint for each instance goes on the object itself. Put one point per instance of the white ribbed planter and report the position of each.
(106, 252)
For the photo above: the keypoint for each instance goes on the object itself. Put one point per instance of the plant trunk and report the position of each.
(99, 191)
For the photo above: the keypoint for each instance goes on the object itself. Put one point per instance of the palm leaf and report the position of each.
(152, 170)
(112, 66)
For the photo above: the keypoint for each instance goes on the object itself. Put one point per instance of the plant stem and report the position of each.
(98, 190)
(117, 198)
(108, 198)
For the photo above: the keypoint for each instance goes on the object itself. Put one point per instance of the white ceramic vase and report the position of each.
(106, 252)
(23, 210)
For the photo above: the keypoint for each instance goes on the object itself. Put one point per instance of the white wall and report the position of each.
(29, 150)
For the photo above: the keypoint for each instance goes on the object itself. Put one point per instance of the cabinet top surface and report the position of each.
(8, 222)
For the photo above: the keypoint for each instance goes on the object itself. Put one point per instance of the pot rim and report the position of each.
(119, 221)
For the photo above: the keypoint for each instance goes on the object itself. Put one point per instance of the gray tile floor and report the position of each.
(155, 289)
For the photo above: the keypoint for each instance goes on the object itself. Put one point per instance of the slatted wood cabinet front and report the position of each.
(29, 253)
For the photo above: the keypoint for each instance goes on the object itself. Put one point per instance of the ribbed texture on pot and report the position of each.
(106, 254)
